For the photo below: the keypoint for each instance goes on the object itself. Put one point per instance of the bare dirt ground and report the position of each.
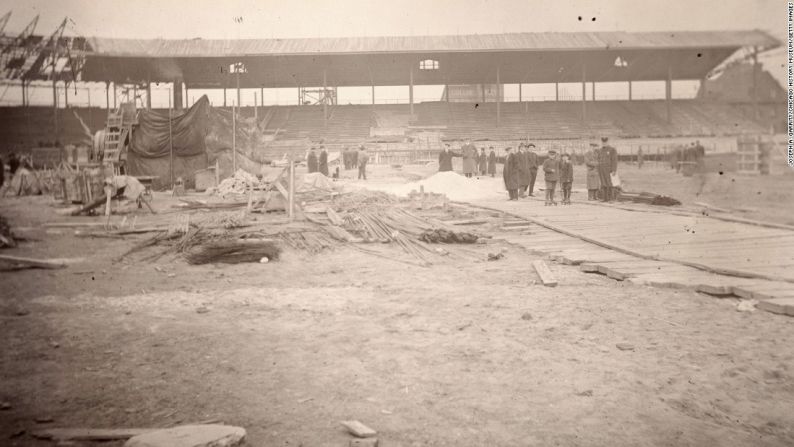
(463, 353)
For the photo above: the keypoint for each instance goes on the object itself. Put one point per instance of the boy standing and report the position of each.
(566, 178)
(551, 168)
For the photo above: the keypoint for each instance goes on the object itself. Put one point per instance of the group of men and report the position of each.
(602, 164)
(693, 153)
(521, 168)
(473, 163)
(350, 159)
(520, 171)
(317, 164)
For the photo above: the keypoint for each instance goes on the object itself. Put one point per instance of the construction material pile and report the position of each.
(241, 182)
(233, 252)
(454, 186)
(442, 236)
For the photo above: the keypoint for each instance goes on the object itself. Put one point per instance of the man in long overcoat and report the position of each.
(492, 162)
(311, 161)
(532, 161)
(323, 161)
(593, 180)
(510, 174)
(445, 159)
(607, 165)
(523, 171)
(469, 152)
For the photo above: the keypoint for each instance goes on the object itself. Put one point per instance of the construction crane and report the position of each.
(4, 22)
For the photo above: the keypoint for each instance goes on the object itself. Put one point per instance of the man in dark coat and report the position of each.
(532, 160)
(469, 153)
(510, 174)
(523, 171)
(607, 165)
(323, 161)
(311, 161)
(362, 158)
(13, 163)
(593, 178)
(483, 162)
(2, 172)
(445, 159)
(566, 178)
(492, 162)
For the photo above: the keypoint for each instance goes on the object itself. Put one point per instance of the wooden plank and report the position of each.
(546, 276)
(782, 306)
(358, 429)
(90, 434)
(36, 263)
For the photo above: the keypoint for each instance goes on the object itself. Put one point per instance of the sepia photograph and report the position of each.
(396, 223)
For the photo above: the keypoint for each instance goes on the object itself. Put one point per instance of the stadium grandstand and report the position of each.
(473, 70)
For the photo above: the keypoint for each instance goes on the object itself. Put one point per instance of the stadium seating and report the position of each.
(27, 127)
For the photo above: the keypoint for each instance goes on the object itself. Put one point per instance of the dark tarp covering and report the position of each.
(149, 149)
(201, 135)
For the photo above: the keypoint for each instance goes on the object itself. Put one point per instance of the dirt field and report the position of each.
(466, 352)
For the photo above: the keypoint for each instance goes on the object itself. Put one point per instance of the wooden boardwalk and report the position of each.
(657, 247)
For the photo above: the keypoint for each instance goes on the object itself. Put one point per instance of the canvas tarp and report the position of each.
(152, 139)
(199, 135)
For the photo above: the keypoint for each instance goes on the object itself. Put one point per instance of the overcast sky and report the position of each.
(325, 18)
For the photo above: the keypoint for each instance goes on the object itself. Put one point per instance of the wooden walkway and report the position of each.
(657, 247)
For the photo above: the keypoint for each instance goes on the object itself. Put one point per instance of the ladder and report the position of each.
(115, 135)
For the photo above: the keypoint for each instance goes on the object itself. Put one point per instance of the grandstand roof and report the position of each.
(522, 57)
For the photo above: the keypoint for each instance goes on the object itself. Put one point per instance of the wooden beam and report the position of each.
(324, 98)
(498, 98)
(584, 93)
(546, 276)
(35, 263)
(668, 92)
(411, 89)
(91, 434)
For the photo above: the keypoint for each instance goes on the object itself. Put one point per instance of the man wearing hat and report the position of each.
(551, 168)
(483, 162)
(323, 161)
(445, 159)
(469, 152)
(523, 171)
(532, 161)
(492, 162)
(607, 165)
(311, 161)
(510, 174)
(593, 177)
(362, 159)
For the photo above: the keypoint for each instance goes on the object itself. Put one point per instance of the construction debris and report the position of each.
(232, 252)
(239, 183)
(358, 429)
(21, 262)
(647, 198)
(447, 237)
(546, 276)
